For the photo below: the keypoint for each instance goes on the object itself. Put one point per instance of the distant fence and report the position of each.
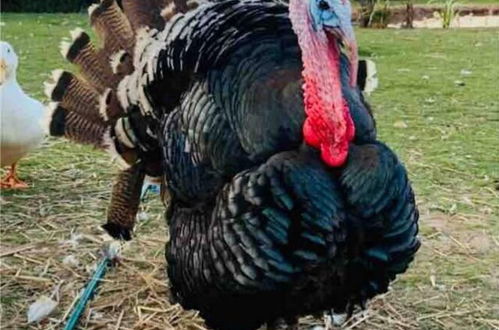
(45, 6)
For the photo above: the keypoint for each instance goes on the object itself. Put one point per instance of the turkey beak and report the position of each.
(3, 71)
(346, 37)
(353, 57)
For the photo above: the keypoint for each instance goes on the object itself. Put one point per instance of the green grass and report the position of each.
(441, 2)
(402, 3)
(446, 134)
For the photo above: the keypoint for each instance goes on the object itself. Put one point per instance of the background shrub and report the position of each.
(45, 6)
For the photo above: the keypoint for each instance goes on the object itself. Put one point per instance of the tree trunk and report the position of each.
(409, 18)
(367, 8)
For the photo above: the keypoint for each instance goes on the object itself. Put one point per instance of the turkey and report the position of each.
(282, 201)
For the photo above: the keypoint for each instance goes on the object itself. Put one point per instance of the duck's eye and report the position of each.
(323, 5)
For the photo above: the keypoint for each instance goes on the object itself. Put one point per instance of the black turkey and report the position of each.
(283, 202)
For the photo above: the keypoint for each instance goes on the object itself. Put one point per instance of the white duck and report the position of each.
(21, 118)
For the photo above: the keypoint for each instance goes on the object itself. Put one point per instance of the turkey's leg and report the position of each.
(11, 181)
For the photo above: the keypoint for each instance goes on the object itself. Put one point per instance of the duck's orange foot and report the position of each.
(11, 181)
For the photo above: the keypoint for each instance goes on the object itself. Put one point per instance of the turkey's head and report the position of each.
(8, 62)
(323, 28)
(334, 17)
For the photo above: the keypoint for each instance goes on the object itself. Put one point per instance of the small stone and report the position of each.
(400, 124)
(433, 281)
(96, 315)
(71, 261)
(465, 72)
(142, 216)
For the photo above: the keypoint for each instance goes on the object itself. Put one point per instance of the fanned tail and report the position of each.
(86, 107)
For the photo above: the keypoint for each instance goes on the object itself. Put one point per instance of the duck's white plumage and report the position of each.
(21, 116)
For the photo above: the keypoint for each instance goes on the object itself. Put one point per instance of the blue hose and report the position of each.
(87, 294)
(149, 187)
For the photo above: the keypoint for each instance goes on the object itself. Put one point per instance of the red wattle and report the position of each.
(334, 155)
(310, 136)
(328, 127)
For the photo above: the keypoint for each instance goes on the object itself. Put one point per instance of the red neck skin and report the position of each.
(328, 126)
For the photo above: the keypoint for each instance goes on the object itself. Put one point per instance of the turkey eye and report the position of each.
(323, 5)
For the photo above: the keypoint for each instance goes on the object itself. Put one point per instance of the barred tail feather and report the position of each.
(92, 63)
(74, 127)
(145, 13)
(112, 26)
(75, 95)
(125, 201)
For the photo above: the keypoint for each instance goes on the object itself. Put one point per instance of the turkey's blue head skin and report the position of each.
(334, 17)
(331, 14)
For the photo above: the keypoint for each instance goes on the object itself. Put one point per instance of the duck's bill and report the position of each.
(3, 71)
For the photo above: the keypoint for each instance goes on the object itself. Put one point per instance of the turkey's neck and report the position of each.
(328, 126)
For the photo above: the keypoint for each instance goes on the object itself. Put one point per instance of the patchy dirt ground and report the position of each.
(468, 21)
